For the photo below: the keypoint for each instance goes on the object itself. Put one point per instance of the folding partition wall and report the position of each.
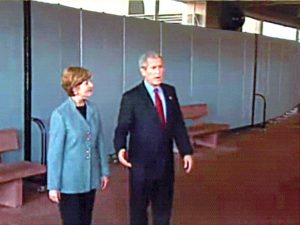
(208, 66)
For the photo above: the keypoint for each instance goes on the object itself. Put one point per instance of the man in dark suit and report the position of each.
(150, 114)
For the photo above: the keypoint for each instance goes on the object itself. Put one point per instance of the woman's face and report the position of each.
(84, 90)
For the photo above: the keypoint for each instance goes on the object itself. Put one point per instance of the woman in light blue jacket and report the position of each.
(77, 162)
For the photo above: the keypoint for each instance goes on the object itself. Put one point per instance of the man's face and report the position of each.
(153, 71)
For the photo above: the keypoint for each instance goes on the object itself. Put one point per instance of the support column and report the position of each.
(27, 79)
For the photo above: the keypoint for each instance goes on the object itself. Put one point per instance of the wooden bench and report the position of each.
(200, 133)
(12, 174)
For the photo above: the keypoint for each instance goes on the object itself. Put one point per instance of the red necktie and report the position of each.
(159, 107)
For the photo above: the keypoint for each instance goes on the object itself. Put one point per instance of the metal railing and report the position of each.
(263, 124)
(42, 179)
(43, 131)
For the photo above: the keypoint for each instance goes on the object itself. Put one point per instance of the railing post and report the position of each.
(42, 128)
(264, 109)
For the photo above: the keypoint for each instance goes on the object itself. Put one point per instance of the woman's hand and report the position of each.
(104, 182)
(54, 196)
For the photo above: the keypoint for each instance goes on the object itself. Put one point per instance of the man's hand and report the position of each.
(54, 196)
(104, 182)
(123, 159)
(187, 163)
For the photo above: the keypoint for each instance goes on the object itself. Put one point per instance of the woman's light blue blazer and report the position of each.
(76, 158)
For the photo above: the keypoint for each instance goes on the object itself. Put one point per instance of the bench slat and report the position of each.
(19, 170)
(207, 128)
(8, 140)
(195, 111)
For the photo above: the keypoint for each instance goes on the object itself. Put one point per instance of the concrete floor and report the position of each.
(252, 178)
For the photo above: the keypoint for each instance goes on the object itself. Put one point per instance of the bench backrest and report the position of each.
(194, 112)
(9, 140)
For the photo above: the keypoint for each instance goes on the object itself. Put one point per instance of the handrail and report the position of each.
(265, 107)
(254, 78)
(42, 127)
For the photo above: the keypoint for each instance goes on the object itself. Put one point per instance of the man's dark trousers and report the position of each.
(157, 192)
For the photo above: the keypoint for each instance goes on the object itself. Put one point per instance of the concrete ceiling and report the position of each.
(282, 12)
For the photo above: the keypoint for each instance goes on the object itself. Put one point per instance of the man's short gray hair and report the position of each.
(148, 55)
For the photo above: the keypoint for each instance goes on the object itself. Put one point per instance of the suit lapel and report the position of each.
(168, 98)
(149, 105)
(83, 121)
(89, 114)
(146, 97)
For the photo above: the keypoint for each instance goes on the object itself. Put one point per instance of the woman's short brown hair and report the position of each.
(73, 76)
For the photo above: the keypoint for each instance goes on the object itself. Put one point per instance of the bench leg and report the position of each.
(11, 193)
(209, 140)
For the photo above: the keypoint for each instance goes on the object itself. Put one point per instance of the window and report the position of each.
(117, 7)
(251, 25)
(170, 11)
(279, 31)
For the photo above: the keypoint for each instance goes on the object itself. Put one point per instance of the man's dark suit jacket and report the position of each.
(150, 147)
